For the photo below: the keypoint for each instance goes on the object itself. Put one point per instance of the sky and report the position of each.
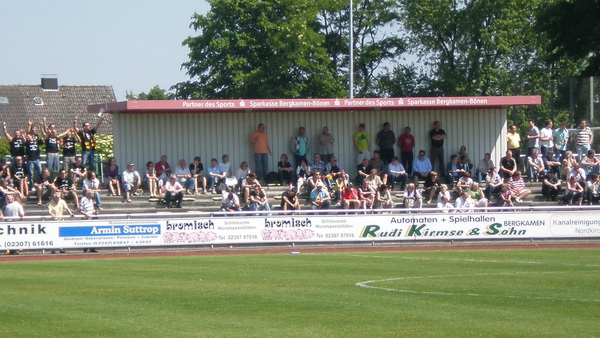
(131, 45)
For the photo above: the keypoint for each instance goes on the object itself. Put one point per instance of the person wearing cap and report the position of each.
(350, 197)
(320, 198)
(131, 181)
(173, 192)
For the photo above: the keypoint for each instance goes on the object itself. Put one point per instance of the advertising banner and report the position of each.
(297, 229)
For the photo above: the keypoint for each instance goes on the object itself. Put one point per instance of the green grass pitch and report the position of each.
(532, 292)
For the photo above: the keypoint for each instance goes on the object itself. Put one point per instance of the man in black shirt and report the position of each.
(32, 150)
(65, 185)
(88, 143)
(68, 145)
(16, 141)
(437, 136)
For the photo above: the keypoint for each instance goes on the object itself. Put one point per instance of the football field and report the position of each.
(491, 292)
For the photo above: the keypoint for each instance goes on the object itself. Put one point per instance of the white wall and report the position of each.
(143, 137)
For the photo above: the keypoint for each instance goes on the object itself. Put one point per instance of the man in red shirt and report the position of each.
(350, 198)
(406, 143)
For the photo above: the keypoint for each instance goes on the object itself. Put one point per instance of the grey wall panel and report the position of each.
(143, 137)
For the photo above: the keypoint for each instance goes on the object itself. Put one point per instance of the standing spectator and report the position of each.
(65, 186)
(197, 172)
(289, 200)
(260, 144)
(508, 165)
(584, 139)
(320, 198)
(184, 176)
(547, 138)
(406, 143)
(285, 172)
(173, 193)
(57, 207)
(437, 136)
(163, 169)
(77, 170)
(326, 144)
(412, 197)
(44, 186)
(551, 186)
(131, 182)
(386, 139)
(112, 177)
(300, 146)
(16, 142)
(88, 142)
(151, 180)
(513, 142)
(533, 137)
(485, 164)
(421, 167)
(362, 143)
(561, 140)
(92, 183)
(32, 150)
(68, 146)
(397, 173)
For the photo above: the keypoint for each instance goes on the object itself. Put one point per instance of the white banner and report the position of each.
(298, 228)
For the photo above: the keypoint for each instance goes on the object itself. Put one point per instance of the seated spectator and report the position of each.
(197, 171)
(535, 166)
(333, 172)
(484, 167)
(5, 171)
(241, 174)
(248, 185)
(506, 197)
(362, 171)
(444, 205)
(302, 173)
(341, 183)
(259, 200)
(493, 183)
(431, 186)
(421, 167)
(6, 190)
(383, 198)
(320, 198)
(44, 186)
(477, 195)
(590, 163)
(508, 165)
(57, 207)
(573, 192)
(444, 191)
(464, 203)
(316, 164)
(367, 195)
(112, 177)
(464, 182)
(350, 197)
(163, 169)
(91, 183)
(77, 170)
(314, 180)
(462, 151)
(225, 167)
(151, 181)
(20, 176)
(184, 177)
(285, 172)
(376, 162)
(455, 171)
(374, 179)
(86, 205)
(465, 164)
(517, 186)
(578, 172)
(552, 163)
(412, 197)
(173, 193)
(215, 176)
(289, 200)
(131, 182)
(397, 173)
(230, 202)
(593, 189)
(567, 164)
(65, 186)
(551, 186)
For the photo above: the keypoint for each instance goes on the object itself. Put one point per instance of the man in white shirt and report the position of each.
(131, 182)
(464, 202)
(184, 176)
(173, 193)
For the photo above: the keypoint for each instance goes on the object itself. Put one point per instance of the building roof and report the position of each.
(20, 103)
(292, 105)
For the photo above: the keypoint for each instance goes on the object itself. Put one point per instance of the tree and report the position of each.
(573, 30)
(156, 93)
(258, 49)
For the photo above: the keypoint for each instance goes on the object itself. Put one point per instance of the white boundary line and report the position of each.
(366, 285)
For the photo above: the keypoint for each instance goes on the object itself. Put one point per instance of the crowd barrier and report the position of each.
(301, 227)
